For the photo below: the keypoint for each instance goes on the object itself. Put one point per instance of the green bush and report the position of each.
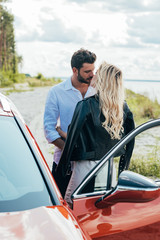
(20, 78)
(8, 78)
(148, 164)
(142, 107)
(5, 80)
(40, 81)
(40, 76)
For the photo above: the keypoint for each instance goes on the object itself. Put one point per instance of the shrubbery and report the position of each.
(142, 107)
(148, 164)
(9, 78)
(41, 81)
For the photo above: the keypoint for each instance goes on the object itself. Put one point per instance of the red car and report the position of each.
(31, 206)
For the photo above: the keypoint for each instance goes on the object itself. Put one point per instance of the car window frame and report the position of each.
(36, 155)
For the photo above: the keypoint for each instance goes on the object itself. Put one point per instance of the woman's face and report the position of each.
(93, 82)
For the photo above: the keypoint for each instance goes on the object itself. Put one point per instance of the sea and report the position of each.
(149, 88)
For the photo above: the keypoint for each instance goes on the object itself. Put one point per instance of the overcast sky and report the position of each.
(123, 32)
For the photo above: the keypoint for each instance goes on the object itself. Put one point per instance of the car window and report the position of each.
(98, 182)
(21, 184)
(103, 180)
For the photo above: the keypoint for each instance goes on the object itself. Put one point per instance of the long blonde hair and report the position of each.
(109, 86)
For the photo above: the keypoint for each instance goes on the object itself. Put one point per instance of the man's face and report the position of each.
(86, 73)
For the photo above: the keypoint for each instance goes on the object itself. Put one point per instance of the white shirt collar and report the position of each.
(68, 84)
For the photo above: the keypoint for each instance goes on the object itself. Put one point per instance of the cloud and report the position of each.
(140, 28)
(24, 32)
(145, 27)
(125, 5)
(142, 31)
(50, 25)
(53, 30)
(56, 31)
(119, 31)
(133, 5)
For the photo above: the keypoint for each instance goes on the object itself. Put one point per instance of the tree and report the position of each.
(9, 59)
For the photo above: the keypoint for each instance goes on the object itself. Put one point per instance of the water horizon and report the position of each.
(140, 80)
(125, 80)
(148, 88)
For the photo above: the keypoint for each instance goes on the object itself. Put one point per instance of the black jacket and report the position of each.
(87, 139)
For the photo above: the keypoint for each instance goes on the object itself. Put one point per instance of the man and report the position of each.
(61, 102)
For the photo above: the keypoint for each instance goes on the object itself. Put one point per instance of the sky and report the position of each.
(125, 33)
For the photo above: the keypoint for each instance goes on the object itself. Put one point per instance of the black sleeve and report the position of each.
(129, 125)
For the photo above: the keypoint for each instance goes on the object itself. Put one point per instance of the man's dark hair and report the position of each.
(82, 56)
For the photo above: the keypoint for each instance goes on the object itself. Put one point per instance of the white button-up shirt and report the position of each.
(60, 105)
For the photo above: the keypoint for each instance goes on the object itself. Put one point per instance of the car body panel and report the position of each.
(39, 223)
(118, 219)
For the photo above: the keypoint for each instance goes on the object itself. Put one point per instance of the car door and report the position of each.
(126, 209)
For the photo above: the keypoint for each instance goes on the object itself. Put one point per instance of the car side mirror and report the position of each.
(131, 187)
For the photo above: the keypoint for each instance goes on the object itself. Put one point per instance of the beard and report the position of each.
(84, 80)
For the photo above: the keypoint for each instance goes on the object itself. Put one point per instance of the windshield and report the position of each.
(21, 184)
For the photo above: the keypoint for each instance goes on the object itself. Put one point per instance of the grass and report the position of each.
(7, 92)
(142, 107)
(8, 79)
(34, 82)
(26, 84)
(148, 164)
(41, 81)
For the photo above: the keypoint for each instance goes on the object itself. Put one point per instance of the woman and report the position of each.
(98, 123)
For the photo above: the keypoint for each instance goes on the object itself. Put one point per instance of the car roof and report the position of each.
(7, 108)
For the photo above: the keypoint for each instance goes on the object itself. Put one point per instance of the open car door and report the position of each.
(128, 208)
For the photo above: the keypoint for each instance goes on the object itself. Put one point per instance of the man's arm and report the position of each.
(59, 143)
(51, 115)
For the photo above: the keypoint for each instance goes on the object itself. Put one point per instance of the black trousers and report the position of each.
(62, 182)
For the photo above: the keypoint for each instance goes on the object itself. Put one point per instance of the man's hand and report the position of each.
(61, 133)
(59, 143)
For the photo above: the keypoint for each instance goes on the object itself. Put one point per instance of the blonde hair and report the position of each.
(109, 86)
